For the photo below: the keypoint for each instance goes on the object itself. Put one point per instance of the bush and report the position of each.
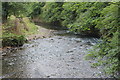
(13, 41)
(107, 53)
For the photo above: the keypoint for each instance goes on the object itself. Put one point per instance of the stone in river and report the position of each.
(69, 51)
(10, 63)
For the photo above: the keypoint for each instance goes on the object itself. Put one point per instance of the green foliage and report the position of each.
(68, 14)
(108, 23)
(11, 36)
(77, 17)
(13, 40)
(36, 9)
(18, 9)
(107, 53)
(87, 14)
(51, 12)
(17, 25)
(32, 28)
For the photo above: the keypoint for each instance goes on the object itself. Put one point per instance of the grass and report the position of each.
(31, 27)
(17, 27)
(9, 27)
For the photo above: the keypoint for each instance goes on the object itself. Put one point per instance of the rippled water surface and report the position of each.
(54, 57)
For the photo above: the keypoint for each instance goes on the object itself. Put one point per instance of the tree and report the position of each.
(18, 9)
(51, 12)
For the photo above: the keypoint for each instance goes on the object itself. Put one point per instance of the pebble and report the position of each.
(48, 76)
(60, 38)
(78, 41)
(51, 39)
(10, 64)
(4, 54)
(69, 51)
(81, 45)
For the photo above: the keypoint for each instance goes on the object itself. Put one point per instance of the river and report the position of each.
(59, 56)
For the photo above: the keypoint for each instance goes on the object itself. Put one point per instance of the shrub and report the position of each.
(13, 41)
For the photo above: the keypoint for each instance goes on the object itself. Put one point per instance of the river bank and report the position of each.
(40, 33)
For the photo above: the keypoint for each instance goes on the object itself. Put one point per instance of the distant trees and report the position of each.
(18, 9)
(51, 12)
(36, 9)
(77, 17)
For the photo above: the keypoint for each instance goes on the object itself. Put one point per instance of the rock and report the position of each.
(68, 65)
(74, 68)
(56, 46)
(59, 38)
(72, 58)
(88, 43)
(81, 45)
(72, 61)
(33, 45)
(69, 51)
(51, 39)
(50, 36)
(68, 31)
(43, 37)
(10, 64)
(78, 41)
(34, 38)
(74, 48)
(3, 54)
(48, 76)
(20, 48)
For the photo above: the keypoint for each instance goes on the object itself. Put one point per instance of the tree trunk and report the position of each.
(5, 13)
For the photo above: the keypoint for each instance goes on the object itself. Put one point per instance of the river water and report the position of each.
(58, 56)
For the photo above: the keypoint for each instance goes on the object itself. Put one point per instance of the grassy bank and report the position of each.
(15, 31)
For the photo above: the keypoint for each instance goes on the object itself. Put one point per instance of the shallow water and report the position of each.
(54, 57)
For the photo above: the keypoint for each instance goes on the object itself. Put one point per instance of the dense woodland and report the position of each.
(99, 19)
